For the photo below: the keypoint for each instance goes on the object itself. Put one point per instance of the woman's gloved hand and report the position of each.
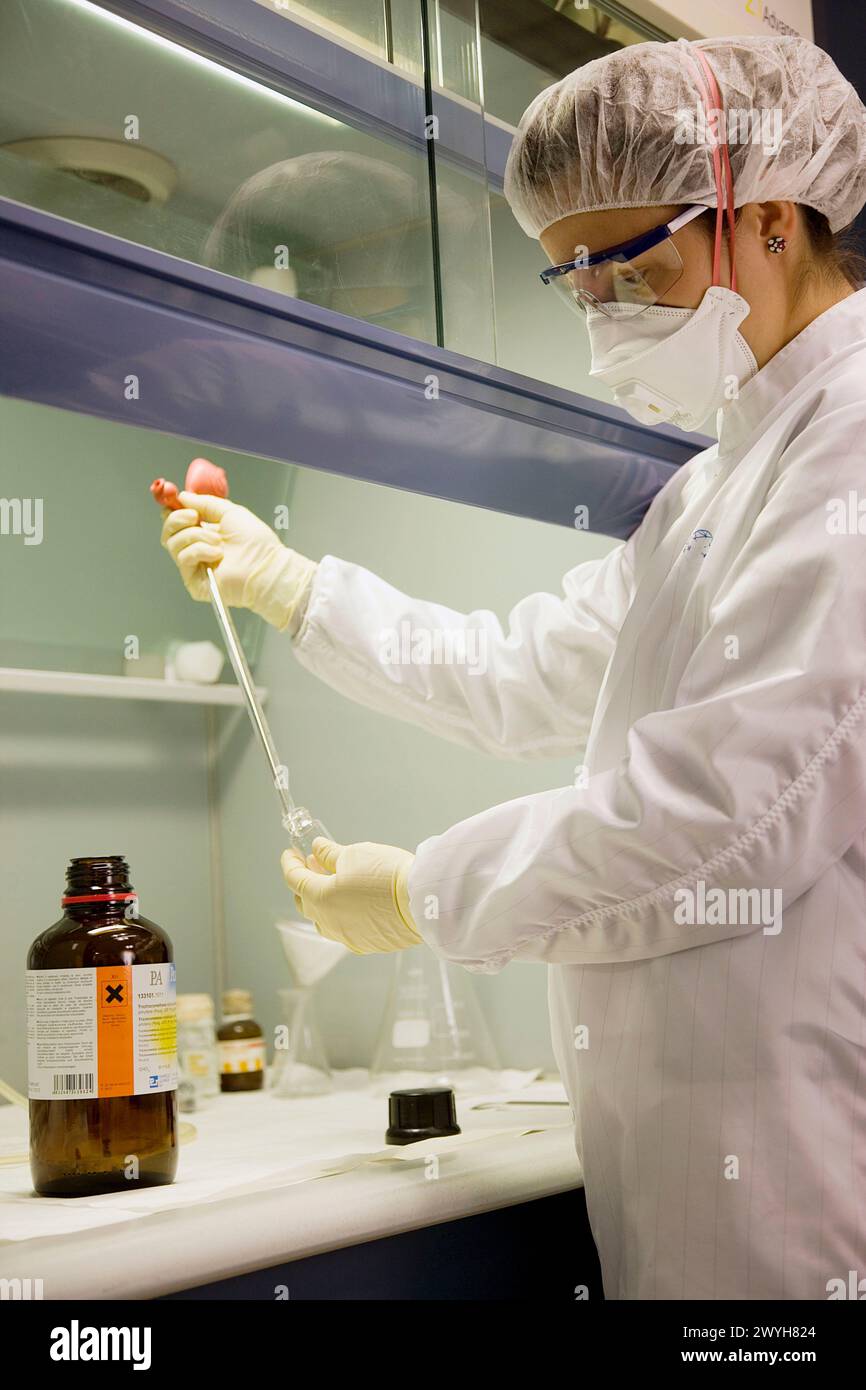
(254, 568)
(362, 899)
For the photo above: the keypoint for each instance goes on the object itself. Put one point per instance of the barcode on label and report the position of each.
(72, 1082)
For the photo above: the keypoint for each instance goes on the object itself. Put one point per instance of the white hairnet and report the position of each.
(603, 137)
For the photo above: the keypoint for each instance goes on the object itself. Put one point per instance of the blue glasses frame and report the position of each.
(625, 250)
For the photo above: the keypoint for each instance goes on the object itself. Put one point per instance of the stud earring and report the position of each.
(776, 244)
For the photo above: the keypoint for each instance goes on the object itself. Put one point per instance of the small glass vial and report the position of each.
(241, 1044)
(303, 829)
(197, 1054)
(101, 1041)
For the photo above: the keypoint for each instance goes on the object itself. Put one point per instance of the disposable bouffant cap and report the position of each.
(627, 131)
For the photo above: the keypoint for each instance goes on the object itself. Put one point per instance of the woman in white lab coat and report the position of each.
(700, 894)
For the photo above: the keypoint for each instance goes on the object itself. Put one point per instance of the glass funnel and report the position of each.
(300, 1057)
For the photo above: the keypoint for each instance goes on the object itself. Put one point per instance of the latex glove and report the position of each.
(254, 568)
(362, 899)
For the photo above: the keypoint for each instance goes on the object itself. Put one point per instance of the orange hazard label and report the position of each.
(115, 1034)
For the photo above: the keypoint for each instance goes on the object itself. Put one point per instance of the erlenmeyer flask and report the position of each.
(433, 1032)
(300, 1063)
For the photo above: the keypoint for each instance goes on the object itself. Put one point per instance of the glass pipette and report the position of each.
(301, 827)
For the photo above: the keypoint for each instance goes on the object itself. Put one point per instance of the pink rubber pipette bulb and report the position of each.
(165, 494)
(202, 476)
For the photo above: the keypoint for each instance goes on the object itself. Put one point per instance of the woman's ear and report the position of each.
(776, 219)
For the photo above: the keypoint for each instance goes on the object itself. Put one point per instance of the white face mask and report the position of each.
(672, 365)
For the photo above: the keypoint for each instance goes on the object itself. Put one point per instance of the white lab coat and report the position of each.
(714, 687)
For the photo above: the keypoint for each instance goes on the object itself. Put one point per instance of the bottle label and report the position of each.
(410, 1032)
(101, 1032)
(242, 1055)
(197, 1063)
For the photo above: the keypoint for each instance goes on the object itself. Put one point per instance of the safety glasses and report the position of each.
(635, 273)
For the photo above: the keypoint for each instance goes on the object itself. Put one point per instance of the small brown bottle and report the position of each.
(241, 1044)
(101, 1041)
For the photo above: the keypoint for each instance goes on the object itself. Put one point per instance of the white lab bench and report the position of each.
(265, 1184)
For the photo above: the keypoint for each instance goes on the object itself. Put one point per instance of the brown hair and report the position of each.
(837, 253)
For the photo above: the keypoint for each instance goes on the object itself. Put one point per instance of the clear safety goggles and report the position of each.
(635, 273)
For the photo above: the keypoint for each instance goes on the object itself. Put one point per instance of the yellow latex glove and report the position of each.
(361, 899)
(254, 568)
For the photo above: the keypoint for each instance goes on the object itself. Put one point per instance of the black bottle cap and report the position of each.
(429, 1112)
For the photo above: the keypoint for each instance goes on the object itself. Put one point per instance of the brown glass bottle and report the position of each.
(101, 1041)
(241, 1044)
